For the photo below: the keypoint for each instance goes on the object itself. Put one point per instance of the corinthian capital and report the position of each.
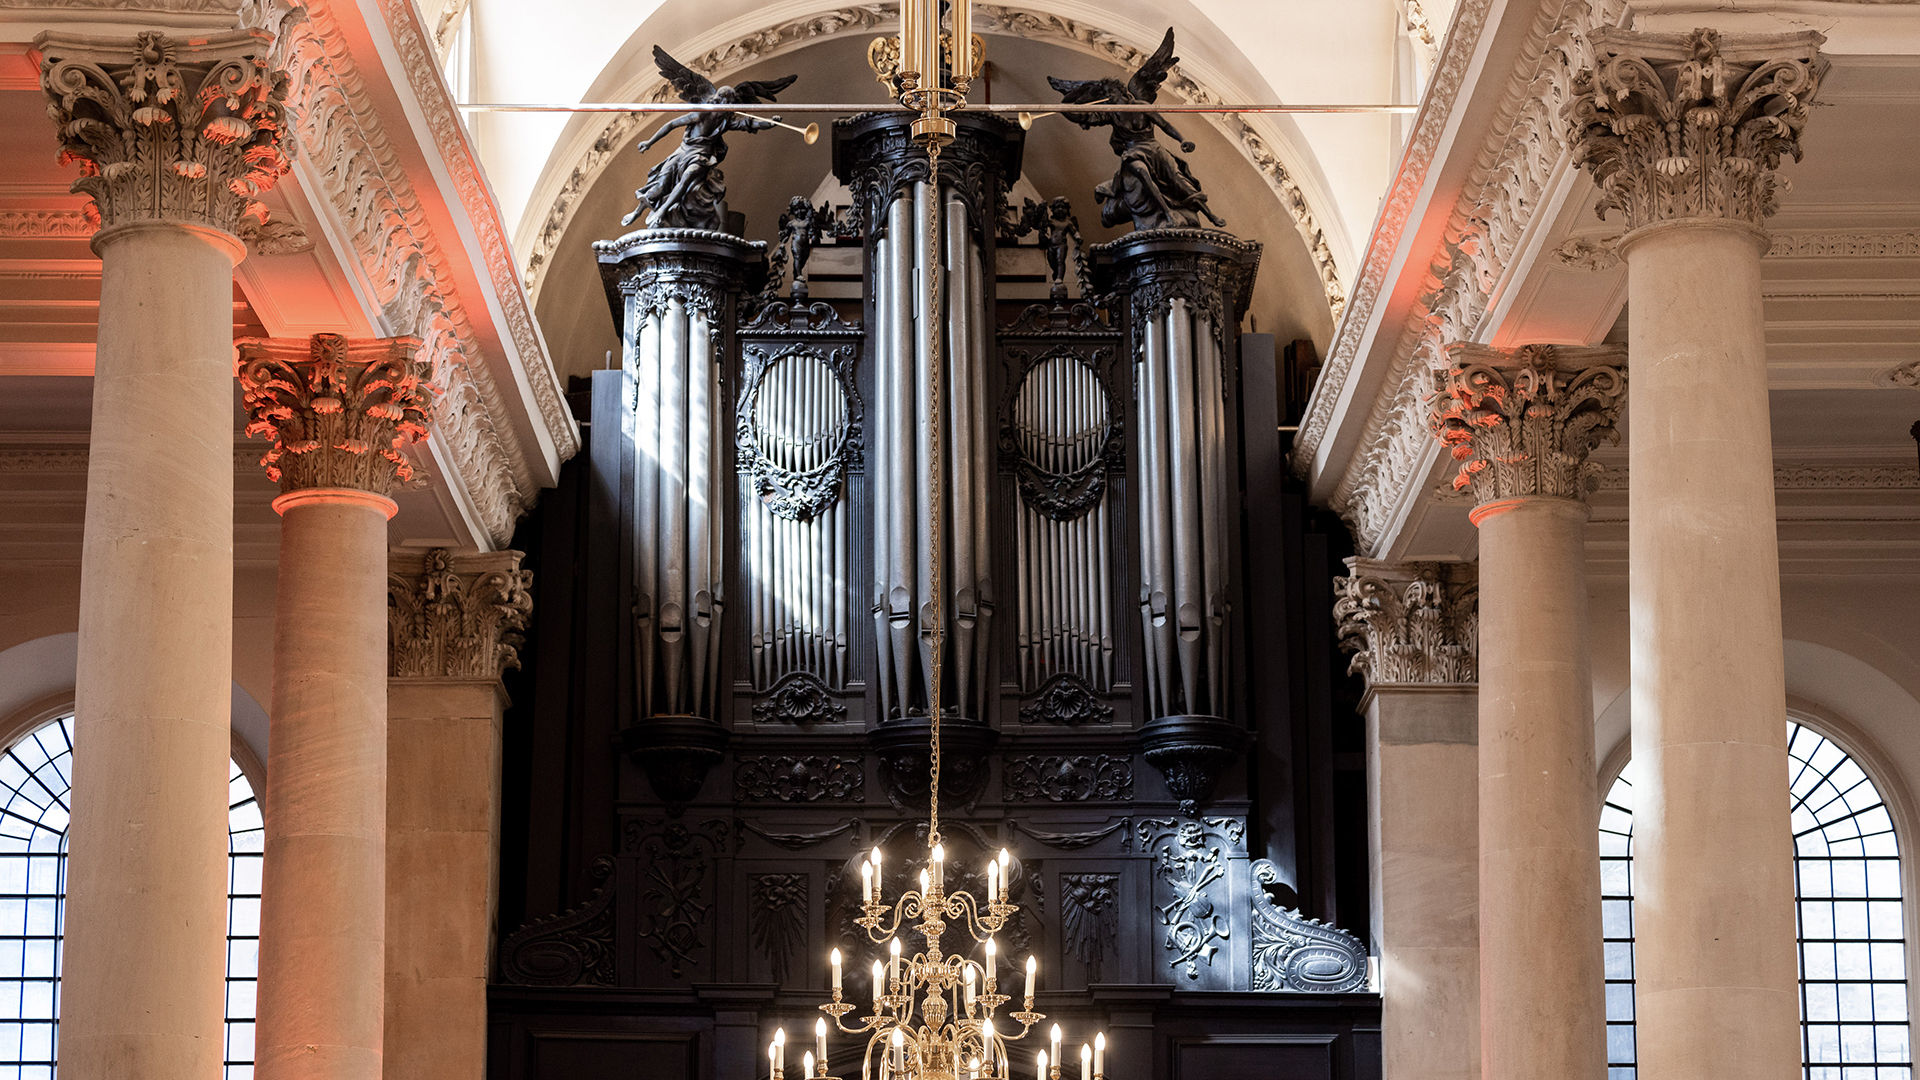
(1677, 126)
(164, 129)
(1524, 420)
(455, 616)
(1410, 622)
(338, 411)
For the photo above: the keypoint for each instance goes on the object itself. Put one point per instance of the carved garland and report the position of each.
(786, 36)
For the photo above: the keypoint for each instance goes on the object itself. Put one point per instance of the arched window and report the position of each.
(35, 775)
(1852, 930)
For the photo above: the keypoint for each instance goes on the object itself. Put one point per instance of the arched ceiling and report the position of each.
(765, 170)
(1324, 172)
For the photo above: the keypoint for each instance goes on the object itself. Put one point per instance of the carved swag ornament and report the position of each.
(166, 129)
(1522, 422)
(1692, 125)
(456, 616)
(338, 410)
(1410, 622)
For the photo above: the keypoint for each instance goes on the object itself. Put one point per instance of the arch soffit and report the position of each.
(1272, 145)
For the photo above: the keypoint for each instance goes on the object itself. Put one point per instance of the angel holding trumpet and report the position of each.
(688, 190)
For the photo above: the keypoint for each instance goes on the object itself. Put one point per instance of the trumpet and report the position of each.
(1027, 118)
(809, 134)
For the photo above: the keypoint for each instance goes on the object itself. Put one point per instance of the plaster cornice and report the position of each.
(730, 48)
(1515, 169)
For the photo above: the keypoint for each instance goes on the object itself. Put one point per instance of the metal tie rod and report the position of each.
(872, 107)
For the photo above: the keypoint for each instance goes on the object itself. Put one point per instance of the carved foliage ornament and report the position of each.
(676, 900)
(1523, 422)
(796, 427)
(800, 779)
(457, 616)
(1090, 918)
(1066, 699)
(1409, 622)
(1693, 125)
(777, 919)
(338, 410)
(1068, 779)
(167, 129)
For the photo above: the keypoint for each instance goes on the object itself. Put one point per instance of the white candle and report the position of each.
(866, 883)
(1053, 1043)
(993, 880)
(899, 1049)
(939, 864)
(879, 984)
(879, 885)
(834, 959)
(806, 1062)
(1099, 1055)
(966, 979)
(923, 881)
(1041, 1072)
(1032, 964)
(986, 1043)
(1086, 1062)
(973, 1069)
(820, 1037)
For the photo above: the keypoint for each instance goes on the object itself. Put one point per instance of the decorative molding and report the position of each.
(798, 698)
(785, 36)
(1679, 126)
(1090, 919)
(380, 216)
(338, 410)
(1907, 375)
(1523, 421)
(276, 237)
(1410, 622)
(574, 948)
(798, 482)
(1294, 953)
(800, 779)
(167, 129)
(1067, 779)
(1192, 860)
(14, 459)
(46, 225)
(1122, 827)
(1588, 253)
(1873, 244)
(1066, 699)
(456, 616)
(1810, 476)
(777, 908)
(801, 841)
(1488, 224)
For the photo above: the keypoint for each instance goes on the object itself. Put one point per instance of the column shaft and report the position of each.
(1713, 857)
(323, 902)
(144, 961)
(1541, 986)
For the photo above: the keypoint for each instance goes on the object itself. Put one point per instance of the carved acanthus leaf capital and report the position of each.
(1523, 421)
(165, 129)
(1410, 622)
(337, 409)
(456, 616)
(1676, 126)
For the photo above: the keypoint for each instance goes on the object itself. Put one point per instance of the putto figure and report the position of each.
(1153, 187)
(688, 190)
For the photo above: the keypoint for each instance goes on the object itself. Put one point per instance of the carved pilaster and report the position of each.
(338, 410)
(1676, 126)
(1410, 622)
(455, 616)
(1522, 421)
(166, 129)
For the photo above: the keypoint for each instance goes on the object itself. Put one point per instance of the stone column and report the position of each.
(171, 171)
(337, 412)
(454, 627)
(1683, 133)
(1412, 628)
(1523, 423)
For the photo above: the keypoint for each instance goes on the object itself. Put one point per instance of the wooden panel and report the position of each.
(606, 1056)
(1253, 1057)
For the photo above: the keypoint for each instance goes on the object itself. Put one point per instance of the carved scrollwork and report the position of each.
(1051, 320)
(791, 318)
(1123, 828)
(571, 949)
(799, 698)
(1061, 428)
(1068, 779)
(796, 425)
(675, 901)
(972, 167)
(800, 779)
(1066, 699)
(1293, 952)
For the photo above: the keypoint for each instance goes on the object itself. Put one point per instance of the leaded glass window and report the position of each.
(36, 774)
(1851, 918)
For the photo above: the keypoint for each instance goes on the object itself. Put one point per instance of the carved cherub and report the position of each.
(1152, 187)
(1059, 233)
(800, 228)
(688, 190)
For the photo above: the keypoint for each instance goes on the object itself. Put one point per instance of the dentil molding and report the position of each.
(455, 616)
(1410, 622)
(785, 36)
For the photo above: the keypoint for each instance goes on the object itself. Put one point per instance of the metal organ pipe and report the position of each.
(701, 584)
(1213, 495)
(905, 226)
(1189, 600)
(959, 459)
(646, 484)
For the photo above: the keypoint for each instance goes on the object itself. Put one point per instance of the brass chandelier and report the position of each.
(933, 1014)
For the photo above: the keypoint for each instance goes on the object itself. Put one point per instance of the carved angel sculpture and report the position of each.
(1152, 187)
(688, 190)
(1059, 235)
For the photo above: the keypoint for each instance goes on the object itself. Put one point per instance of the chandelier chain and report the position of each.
(937, 418)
